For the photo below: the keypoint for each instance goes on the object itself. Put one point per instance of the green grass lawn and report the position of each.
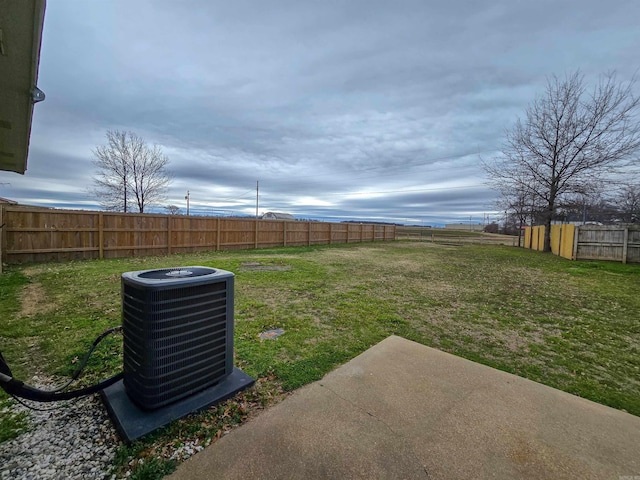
(571, 325)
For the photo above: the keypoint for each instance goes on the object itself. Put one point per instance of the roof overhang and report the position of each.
(21, 23)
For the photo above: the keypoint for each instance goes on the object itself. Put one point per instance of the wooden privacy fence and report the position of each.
(618, 243)
(562, 239)
(31, 234)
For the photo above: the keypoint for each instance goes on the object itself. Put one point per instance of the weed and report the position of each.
(153, 469)
(12, 424)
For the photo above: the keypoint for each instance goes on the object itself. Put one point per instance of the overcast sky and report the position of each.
(368, 110)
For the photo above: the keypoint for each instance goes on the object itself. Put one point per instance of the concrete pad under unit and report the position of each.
(132, 422)
(403, 410)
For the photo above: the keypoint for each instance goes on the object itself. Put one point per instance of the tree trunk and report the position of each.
(551, 207)
(520, 233)
(547, 234)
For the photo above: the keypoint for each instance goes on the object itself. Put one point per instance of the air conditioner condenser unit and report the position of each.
(177, 325)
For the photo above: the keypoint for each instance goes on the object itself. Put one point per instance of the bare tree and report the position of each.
(627, 203)
(172, 209)
(129, 172)
(568, 140)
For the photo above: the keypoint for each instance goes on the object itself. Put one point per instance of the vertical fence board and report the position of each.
(527, 237)
(169, 234)
(555, 238)
(284, 233)
(568, 237)
(534, 238)
(256, 237)
(100, 236)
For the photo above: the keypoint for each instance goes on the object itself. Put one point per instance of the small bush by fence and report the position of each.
(31, 234)
(618, 243)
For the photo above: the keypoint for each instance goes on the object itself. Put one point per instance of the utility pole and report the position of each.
(257, 191)
(187, 199)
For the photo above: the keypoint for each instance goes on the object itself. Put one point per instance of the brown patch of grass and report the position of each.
(33, 270)
(34, 300)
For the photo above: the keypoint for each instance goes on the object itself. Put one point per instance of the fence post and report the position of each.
(330, 233)
(541, 234)
(101, 235)
(560, 235)
(309, 234)
(576, 231)
(256, 242)
(218, 234)
(625, 244)
(169, 234)
(360, 233)
(284, 233)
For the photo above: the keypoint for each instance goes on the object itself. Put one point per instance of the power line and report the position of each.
(229, 199)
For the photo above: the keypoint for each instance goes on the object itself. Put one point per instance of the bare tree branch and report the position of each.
(627, 202)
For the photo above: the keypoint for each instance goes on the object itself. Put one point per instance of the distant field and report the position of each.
(442, 235)
(570, 325)
(427, 231)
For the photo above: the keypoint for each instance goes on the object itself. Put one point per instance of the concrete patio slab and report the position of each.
(403, 410)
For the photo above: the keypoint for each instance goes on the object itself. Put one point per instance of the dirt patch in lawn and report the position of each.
(34, 300)
(31, 271)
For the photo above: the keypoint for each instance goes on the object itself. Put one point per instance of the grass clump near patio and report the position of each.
(570, 325)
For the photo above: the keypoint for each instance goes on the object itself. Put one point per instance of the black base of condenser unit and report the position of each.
(132, 422)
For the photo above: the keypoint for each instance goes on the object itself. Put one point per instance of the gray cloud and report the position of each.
(342, 110)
